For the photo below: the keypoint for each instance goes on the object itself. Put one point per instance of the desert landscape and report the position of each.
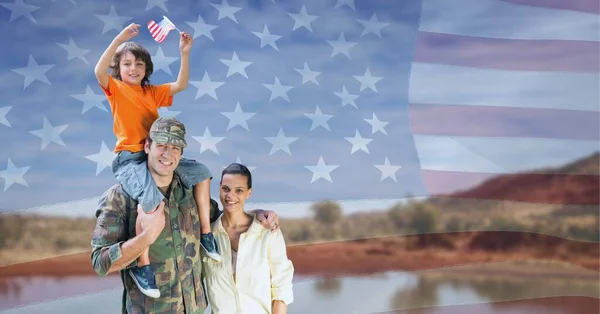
(540, 224)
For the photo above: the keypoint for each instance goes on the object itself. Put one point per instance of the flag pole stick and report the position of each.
(172, 23)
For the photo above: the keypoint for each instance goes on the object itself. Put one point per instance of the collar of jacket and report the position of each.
(255, 226)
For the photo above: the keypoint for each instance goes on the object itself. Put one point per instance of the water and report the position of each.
(359, 294)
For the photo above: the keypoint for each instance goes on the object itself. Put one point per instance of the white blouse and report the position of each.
(233, 262)
(248, 281)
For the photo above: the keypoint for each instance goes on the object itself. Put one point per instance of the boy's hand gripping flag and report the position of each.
(160, 30)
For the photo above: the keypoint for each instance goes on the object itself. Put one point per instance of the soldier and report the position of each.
(171, 232)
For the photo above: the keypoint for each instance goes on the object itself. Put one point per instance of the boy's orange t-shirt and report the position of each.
(134, 110)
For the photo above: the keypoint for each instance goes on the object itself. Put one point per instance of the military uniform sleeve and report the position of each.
(282, 269)
(110, 231)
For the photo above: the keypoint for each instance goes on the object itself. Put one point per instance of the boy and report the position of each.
(134, 104)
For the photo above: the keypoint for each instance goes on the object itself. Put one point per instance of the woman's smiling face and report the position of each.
(234, 192)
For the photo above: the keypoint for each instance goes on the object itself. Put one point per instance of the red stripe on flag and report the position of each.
(508, 54)
(488, 121)
(159, 34)
(544, 188)
(589, 6)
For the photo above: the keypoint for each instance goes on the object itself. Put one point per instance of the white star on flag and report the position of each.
(3, 112)
(208, 142)
(225, 10)
(91, 100)
(321, 170)
(303, 19)
(341, 46)
(347, 98)
(266, 38)
(239, 161)
(235, 65)
(72, 1)
(206, 87)
(162, 62)
(319, 119)
(19, 8)
(358, 142)
(308, 75)
(372, 26)
(13, 175)
(112, 20)
(103, 159)
(49, 133)
(75, 52)
(348, 3)
(238, 117)
(387, 170)
(278, 90)
(34, 72)
(377, 125)
(280, 142)
(156, 3)
(367, 80)
(202, 29)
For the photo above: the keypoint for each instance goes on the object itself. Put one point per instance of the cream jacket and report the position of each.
(263, 272)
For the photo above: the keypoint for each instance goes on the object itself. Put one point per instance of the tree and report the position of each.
(398, 216)
(327, 212)
(424, 217)
(455, 224)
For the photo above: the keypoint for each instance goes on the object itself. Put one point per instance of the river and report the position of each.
(356, 294)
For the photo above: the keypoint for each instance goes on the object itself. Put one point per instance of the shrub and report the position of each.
(327, 212)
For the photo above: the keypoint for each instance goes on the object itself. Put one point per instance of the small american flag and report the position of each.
(160, 30)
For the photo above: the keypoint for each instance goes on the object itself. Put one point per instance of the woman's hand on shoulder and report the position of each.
(268, 219)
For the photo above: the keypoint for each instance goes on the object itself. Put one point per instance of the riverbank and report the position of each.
(399, 253)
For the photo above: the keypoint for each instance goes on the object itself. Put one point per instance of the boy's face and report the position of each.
(132, 71)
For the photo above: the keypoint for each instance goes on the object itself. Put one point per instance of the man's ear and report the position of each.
(147, 146)
(249, 192)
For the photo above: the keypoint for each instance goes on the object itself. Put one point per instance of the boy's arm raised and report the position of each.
(103, 63)
(185, 44)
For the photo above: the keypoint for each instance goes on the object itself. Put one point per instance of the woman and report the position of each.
(255, 275)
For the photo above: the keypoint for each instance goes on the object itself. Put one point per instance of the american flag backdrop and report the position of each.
(350, 100)
(331, 99)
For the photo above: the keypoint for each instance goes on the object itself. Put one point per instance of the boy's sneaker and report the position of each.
(144, 279)
(209, 245)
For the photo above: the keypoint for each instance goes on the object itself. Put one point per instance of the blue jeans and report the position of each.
(131, 171)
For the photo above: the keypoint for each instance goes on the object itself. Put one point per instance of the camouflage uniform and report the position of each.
(131, 170)
(174, 256)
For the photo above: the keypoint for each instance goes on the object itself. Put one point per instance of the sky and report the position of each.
(322, 99)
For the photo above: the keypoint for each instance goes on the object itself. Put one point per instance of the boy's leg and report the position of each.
(132, 173)
(196, 175)
(143, 274)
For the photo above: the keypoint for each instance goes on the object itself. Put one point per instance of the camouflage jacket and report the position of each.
(174, 256)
